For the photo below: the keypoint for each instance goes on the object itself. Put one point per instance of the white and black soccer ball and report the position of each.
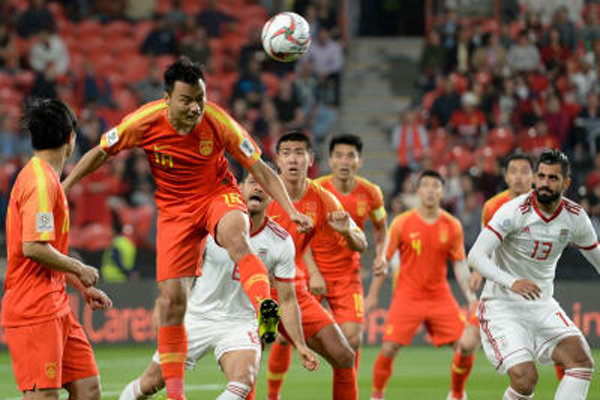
(286, 37)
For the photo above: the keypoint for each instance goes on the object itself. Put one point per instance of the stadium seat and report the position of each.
(141, 30)
(271, 81)
(89, 28)
(116, 30)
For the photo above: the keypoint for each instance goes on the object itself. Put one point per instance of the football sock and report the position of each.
(254, 279)
(132, 391)
(345, 386)
(172, 351)
(511, 394)
(235, 391)
(382, 370)
(560, 371)
(252, 393)
(575, 384)
(461, 368)
(356, 360)
(280, 359)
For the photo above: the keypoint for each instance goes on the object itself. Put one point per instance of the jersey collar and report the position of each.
(541, 214)
(261, 228)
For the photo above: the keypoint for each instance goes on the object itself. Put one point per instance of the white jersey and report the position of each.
(218, 294)
(532, 242)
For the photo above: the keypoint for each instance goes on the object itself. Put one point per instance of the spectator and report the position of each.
(566, 27)
(582, 79)
(36, 18)
(9, 56)
(213, 19)
(458, 57)
(538, 139)
(94, 87)
(523, 56)
(267, 117)
(327, 17)
(175, 17)
(254, 50)
(49, 53)
(149, 88)
(557, 119)
(411, 143)
(444, 106)
(470, 217)
(469, 122)
(449, 29)
(554, 54)
(507, 102)
(491, 57)
(591, 31)
(289, 112)
(588, 123)
(196, 47)
(327, 58)
(44, 85)
(161, 40)
(432, 61)
(13, 144)
(91, 126)
(592, 178)
(250, 87)
(534, 27)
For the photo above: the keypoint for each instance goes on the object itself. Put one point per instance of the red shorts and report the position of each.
(346, 300)
(180, 237)
(441, 315)
(314, 316)
(50, 354)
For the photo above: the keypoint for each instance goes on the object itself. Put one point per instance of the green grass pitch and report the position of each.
(420, 373)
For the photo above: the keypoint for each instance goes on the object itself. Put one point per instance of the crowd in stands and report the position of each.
(106, 58)
(485, 89)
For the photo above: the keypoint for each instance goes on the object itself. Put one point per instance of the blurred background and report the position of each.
(453, 85)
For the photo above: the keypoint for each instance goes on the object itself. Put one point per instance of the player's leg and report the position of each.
(353, 333)
(42, 394)
(463, 360)
(146, 385)
(523, 378)
(84, 389)
(280, 359)
(241, 369)
(573, 353)
(383, 368)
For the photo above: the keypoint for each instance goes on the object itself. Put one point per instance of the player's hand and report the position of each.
(340, 221)
(380, 266)
(370, 303)
(317, 284)
(88, 275)
(475, 281)
(304, 222)
(309, 359)
(97, 299)
(526, 288)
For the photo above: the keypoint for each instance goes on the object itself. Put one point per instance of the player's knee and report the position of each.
(355, 341)
(389, 350)
(247, 376)
(92, 391)
(172, 302)
(523, 379)
(580, 360)
(43, 395)
(344, 359)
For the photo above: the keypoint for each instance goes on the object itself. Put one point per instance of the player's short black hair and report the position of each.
(294, 136)
(555, 156)
(518, 155)
(349, 139)
(50, 123)
(183, 70)
(432, 174)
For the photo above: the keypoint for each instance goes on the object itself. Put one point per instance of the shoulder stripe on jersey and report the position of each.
(143, 113)
(526, 206)
(571, 206)
(323, 178)
(229, 122)
(590, 247)
(42, 186)
(496, 232)
(277, 230)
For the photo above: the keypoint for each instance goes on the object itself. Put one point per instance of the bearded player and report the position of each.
(520, 320)
(184, 137)
(294, 157)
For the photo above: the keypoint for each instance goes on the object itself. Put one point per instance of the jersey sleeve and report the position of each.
(38, 199)
(377, 213)
(585, 237)
(285, 269)
(504, 220)
(236, 139)
(486, 214)
(394, 238)
(457, 251)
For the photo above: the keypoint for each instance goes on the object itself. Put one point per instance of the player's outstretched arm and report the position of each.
(273, 185)
(342, 222)
(291, 319)
(46, 255)
(91, 161)
(461, 272)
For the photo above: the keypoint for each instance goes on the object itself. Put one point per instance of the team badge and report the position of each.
(206, 147)
(361, 208)
(44, 222)
(443, 235)
(564, 235)
(51, 370)
(247, 147)
(112, 137)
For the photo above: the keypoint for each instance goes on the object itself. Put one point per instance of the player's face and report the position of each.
(519, 176)
(293, 160)
(430, 192)
(256, 198)
(344, 161)
(550, 183)
(186, 103)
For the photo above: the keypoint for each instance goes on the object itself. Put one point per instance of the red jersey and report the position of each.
(424, 251)
(186, 168)
(492, 205)
(315, 203)
(333, 256)
(37, 212)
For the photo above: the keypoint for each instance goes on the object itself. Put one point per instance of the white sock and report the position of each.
(132, 391)
(512, 394)
(235, 391)
(575, 384)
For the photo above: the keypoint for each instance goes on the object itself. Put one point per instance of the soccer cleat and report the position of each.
(450, 397)
(268, 320)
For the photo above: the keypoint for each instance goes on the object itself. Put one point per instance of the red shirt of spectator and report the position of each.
(468, 121)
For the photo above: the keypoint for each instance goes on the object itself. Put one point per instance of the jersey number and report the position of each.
(541, 250)
(163, 159)
(232, 198)
(416, 245)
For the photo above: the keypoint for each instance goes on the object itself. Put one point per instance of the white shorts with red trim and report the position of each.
(513, 332)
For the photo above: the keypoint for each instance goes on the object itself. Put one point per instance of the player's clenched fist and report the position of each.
(96, 299)
(309, 359)
(88, 275)
(304, 222)
(339, 220)
(526, 288)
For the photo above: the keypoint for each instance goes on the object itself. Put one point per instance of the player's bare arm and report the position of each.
(344, 225)
(291, 319)
(461, 272)
(475, 281)
(46, 255)
(95, 298)
(273, 185)
(380, 264)
(479, 258)
(91, 161)
(317, 284)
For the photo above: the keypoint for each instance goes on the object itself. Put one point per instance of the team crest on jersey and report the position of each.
(247, 147)
(563, 236)
(361, 208)
(206, 147)
(51, 370)
(112, 137)
(44, 222)
(444, 235)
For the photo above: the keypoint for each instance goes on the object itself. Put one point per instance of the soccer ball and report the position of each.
(286, 36)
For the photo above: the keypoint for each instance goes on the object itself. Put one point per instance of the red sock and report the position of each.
(251, 395)
(345, 386)
(280, 358)
(461, 368)
(382, 370)
(254, 278)
(560, 371)
(172, 351)
(356, 360)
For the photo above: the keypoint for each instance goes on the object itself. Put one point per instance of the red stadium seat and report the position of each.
(89, 28)
(5, 80)
(117, 29)
(24, 80)
(141, 29)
